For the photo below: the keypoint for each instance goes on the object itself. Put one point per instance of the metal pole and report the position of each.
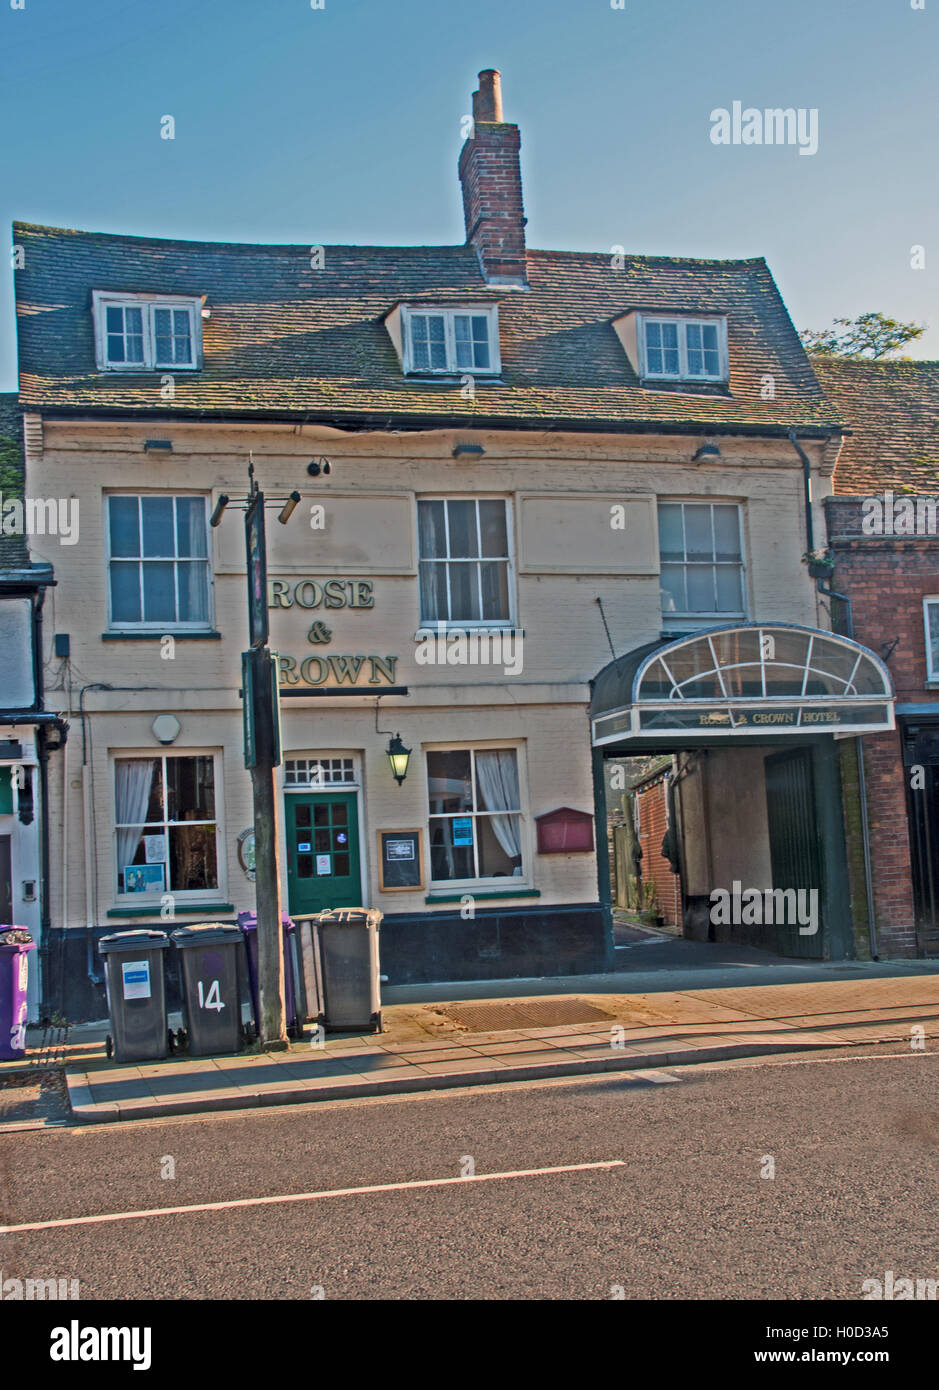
(263, 758)
(267, 886)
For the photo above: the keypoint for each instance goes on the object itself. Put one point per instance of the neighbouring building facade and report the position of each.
(554, 512)
(884, 542)
(28, 732)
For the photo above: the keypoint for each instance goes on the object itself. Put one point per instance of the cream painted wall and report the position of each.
(369, 512)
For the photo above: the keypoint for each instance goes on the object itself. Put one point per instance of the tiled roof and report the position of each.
(13, 549)
(892, 409)
(285, 339)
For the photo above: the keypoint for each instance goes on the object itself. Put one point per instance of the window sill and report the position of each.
(207, 636)
(129, 369)
(436, 627)
(485, 894)
(154, 910)
(454, 376)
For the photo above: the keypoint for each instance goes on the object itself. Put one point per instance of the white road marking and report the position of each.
(309, 1196)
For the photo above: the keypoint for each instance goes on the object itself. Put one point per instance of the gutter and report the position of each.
(400, 422)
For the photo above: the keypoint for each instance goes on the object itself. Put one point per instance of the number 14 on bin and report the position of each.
(213, 999)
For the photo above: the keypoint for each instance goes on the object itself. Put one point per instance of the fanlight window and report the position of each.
(761, 663)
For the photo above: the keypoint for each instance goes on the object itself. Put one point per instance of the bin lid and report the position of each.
(248, 921)
(140, 939)
(351, 916)
(16, 936)
(205, 934)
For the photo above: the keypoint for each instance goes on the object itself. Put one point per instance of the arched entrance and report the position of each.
(746, 722)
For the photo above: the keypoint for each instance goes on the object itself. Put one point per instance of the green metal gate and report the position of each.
(794, 846)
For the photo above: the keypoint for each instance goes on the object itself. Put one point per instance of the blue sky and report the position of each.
(343, 125)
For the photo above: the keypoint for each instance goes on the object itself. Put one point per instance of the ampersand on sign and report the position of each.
(319, 632)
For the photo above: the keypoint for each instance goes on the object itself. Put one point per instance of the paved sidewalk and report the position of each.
(425, 1047)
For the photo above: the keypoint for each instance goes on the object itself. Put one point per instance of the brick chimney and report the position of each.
(492, 187)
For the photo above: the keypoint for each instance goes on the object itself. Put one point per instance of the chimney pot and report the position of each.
(490, 96)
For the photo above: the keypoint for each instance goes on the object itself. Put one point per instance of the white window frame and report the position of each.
(932, 671)
(186, 896)
(142, 626)
(693, 616)
(503, 624)
(449, 313)
(682, 322)
(523, 882)
(103, 299)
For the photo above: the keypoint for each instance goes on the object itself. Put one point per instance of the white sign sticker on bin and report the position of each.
(136, 979)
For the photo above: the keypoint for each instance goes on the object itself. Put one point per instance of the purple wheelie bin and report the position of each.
(15, 946)
(248, 922)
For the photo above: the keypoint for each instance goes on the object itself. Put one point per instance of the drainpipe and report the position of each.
(830, 593)
(807, 490)
(96, 977)
(42, 758)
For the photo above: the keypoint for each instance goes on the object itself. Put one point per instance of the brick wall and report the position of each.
(653, 823)
(886, 578)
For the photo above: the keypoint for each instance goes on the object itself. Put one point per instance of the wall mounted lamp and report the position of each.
(398, 756)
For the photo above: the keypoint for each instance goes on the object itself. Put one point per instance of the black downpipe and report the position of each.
(807, 490)
(42, 755)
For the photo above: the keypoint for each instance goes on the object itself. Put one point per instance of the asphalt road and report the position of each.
(686, 1214)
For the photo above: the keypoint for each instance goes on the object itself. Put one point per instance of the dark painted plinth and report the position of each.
(421, 948)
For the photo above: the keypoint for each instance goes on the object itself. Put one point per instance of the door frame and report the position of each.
(355, 785)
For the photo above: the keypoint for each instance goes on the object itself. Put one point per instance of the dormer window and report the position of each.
(674, 347)
(432, 339)
(137, 332)
(680, 349)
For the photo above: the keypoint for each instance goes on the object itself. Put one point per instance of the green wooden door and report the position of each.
(793, 843)
(322, 852)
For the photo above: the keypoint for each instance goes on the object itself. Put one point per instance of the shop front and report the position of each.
(753, 717)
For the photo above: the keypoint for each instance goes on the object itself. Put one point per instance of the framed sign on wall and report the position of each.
(400, 861)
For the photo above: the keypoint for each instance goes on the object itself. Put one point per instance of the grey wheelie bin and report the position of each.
(348, 953)
(208, 966)
(134, 980)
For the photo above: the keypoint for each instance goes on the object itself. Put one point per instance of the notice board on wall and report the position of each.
(400, 860)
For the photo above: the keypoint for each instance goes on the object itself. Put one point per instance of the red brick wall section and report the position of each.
(490, 175)
(890, 845)
(655, 867)
(886, 578)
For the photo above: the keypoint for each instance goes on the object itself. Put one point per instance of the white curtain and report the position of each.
(193, 589)
(431, 525)
(133, 778)
(497, 775)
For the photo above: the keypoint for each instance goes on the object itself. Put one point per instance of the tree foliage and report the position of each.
(867, 338)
